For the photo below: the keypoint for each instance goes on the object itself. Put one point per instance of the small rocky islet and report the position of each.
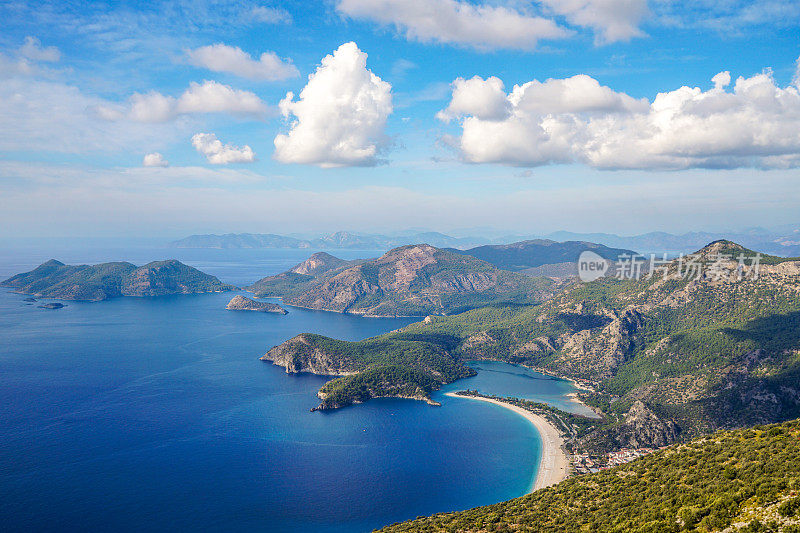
(242, 303)
(51, 305)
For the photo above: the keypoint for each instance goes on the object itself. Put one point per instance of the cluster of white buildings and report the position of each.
(582, 463)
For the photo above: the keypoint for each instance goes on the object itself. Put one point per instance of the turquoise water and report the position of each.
(519, 382)
(155, 414)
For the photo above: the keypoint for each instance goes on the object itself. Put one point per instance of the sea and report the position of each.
(155, 414)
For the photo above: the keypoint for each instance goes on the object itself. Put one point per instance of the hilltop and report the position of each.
(747, 479)
(54, 279)
(415, 280)
(667, 358)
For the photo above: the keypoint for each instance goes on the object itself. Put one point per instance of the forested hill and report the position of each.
(54, 279)
(748, 478)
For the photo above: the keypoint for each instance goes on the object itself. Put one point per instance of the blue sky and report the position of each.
(122, 118)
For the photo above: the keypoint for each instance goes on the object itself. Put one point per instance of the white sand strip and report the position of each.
(553, 465)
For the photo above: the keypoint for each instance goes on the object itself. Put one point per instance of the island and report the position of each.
(51, 305)
(242, 303)
(415, 280)
(54, 279)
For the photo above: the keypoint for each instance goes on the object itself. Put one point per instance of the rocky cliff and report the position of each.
(303, 353)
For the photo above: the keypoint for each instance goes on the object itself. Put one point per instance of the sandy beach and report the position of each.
(553, 465)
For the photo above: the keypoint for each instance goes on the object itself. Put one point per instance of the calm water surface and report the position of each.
(155, 414)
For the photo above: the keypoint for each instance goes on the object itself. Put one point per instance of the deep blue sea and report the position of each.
(152, 414)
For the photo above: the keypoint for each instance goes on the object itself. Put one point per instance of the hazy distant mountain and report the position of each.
(338, 240)
(784, 244)
(521, 256)
(784, 241)
(240, 240)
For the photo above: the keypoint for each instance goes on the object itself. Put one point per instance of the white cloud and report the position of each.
(223, 58)
(485, 99)
(25, 60)
(340, 114)
(149, 107)
(32, 49)
(271, 15)
(213, 97)
(47, 116)
(728, 16)
(611, 20)
(221, 154)
(155, 159)
(457, 22)
(796, 78)
(208, 97)
(578, 120)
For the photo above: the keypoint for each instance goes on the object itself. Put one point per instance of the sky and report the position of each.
(171, 118)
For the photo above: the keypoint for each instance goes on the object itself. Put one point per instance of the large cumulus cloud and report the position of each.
(752, 123)
(340, 115)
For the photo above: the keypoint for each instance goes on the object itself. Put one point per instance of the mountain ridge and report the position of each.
(412, 280)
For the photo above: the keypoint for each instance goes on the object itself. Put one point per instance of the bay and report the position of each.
(156, 414)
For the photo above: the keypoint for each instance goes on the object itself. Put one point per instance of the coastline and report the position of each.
(553, 463)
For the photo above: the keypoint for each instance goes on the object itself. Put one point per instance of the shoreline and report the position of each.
(553, 463)
(573, 396)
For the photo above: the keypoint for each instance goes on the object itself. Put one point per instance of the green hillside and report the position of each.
(747, 478)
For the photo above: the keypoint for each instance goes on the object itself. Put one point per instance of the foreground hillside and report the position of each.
(413, 280)
(54, 279)
(667, 358)
(747, 479)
